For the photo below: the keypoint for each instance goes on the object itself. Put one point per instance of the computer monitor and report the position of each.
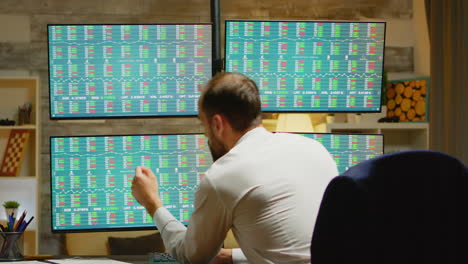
(349, 149)
(91, 179)
(310, 66)
(91, 175)
(110, 71)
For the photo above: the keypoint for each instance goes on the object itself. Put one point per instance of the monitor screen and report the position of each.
(105, 71)
(310, 66)
(91, 179)
(91, 175)
(349, 149)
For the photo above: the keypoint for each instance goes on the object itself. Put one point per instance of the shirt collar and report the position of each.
(252, 134)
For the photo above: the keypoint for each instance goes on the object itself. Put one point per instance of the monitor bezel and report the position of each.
(316, 21)
(88, 230)
(119, 117)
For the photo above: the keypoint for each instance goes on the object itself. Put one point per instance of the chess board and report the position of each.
(14, 152)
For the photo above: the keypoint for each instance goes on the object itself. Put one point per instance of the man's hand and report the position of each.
(145, 189)
(224, 257)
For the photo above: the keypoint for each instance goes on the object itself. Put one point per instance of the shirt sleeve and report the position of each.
(202, 239)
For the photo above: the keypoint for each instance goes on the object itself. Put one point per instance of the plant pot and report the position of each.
(9, 211)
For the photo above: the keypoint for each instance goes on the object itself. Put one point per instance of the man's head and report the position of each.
(229, 107)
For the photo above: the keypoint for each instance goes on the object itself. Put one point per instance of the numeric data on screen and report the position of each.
(306, 66)
(91, 178)
(349, 149)
(127, 70)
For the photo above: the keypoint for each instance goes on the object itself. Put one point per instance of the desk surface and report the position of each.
(135, 259)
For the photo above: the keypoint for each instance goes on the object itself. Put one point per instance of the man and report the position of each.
(266, 187)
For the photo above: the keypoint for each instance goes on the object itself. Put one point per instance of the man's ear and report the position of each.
(218, 124)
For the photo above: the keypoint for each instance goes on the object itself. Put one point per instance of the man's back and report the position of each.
(266, 187)
(273, 184)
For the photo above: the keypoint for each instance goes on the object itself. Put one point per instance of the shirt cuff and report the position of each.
(238, 256)
(162, 217)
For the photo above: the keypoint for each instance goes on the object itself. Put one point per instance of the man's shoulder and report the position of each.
(292, 138)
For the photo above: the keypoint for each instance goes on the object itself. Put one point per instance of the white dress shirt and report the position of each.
(267, 189)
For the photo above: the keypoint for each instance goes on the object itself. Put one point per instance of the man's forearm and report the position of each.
(151, 207)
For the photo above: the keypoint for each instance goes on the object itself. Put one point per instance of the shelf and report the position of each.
(400, 136)
(18, 177)
(378, 126)
(30, 127)
(24, 188)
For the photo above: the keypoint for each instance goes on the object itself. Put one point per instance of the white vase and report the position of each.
(9, 211)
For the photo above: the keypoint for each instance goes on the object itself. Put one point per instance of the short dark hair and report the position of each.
(235, 96)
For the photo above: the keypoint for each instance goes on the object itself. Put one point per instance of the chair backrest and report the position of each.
(406, 207)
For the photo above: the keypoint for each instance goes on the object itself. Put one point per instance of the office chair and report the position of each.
(406, 207)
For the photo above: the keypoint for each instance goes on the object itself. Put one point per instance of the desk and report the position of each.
(134, 259)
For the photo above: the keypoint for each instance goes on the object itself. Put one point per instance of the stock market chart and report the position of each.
(91, 178)
(349, 149)
(127, 70)
(306, 66)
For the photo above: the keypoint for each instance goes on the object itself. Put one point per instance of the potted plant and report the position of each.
(11, 207)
